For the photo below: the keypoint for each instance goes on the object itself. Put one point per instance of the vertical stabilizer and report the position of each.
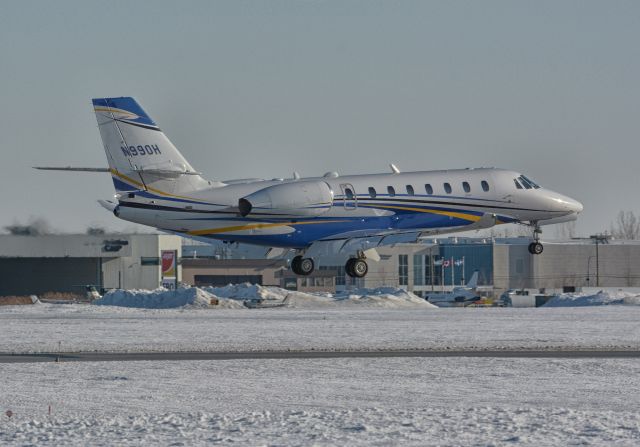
(140, 156)
(473, 282)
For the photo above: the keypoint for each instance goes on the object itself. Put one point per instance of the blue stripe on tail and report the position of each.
(127, 104)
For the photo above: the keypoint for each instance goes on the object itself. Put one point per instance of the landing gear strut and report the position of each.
(302, 266)
(535, 247)
(357, 267)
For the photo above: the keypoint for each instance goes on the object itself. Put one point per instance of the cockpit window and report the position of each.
(518, 185)
(531, 182)
(525, 182)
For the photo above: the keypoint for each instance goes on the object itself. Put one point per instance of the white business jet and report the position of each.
(317, 216)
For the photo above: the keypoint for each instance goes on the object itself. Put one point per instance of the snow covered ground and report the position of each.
(408, 401)
(366, 401)
(50, 327)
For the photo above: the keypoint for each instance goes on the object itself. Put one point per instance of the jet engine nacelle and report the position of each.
(307, 198)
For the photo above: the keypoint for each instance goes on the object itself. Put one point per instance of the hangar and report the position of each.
(65, 263)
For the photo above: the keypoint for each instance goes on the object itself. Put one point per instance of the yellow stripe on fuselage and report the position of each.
(465, 216)
(257, 226)
(157, 191)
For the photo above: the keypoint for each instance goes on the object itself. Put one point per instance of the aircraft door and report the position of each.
(350, 201)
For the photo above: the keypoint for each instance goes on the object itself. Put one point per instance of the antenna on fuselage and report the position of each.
(394, 169)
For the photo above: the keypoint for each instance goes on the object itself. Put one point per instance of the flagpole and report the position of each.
(462, 282)
(431, 267)
(442, 272)
(453, 274)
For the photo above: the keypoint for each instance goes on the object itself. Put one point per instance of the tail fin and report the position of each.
(140, 156)
(473, 282)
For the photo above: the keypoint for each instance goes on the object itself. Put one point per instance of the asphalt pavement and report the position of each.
(301, 355)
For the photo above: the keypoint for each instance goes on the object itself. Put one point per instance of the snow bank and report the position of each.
(385, 297)
(601, 298)
(234, 296)
(156, 299)
(247, 291)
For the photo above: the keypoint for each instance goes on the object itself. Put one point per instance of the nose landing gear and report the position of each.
(535, 247)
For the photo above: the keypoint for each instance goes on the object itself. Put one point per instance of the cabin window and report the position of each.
(391, 191)
(428, 189)
(447, 188)
(466, 187)
(410, 190)
(518, 185)
(485, 185)
(349, 193)
(372, 192)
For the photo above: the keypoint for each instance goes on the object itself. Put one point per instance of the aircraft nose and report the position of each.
(576, 206)
(565, 203)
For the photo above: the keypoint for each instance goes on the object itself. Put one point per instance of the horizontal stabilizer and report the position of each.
(107, 204)
(70, 168)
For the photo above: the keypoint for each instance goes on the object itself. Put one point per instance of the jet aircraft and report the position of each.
(316, 216)
(460, 295)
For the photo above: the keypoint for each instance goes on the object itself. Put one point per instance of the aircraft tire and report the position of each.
(302, 266)
(356, 268)
(536, 248)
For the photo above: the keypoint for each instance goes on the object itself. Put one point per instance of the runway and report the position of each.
(312, 354)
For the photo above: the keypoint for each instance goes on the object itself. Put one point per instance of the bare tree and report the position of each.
(35, 227)
(566, 230)
(95, 230)
(626, 226)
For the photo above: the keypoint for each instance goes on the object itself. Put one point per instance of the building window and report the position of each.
(466, 187)
(391, 191)
(403, 270)
(447, 188)
(428, 189)
(418, 270)
(485, 185)
(372, 192)
(410, 190)
(150, 261)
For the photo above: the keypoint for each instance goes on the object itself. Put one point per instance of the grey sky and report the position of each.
(259, 89)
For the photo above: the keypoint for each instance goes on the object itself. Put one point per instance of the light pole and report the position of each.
(599, 238)
(589, 268)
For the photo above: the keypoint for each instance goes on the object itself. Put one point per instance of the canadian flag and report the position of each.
(446, 263)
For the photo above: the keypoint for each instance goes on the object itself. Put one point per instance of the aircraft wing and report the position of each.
(369, 240)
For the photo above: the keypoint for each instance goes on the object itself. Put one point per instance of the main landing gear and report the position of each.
(357, 267)
(302, 266)
(535, 247)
